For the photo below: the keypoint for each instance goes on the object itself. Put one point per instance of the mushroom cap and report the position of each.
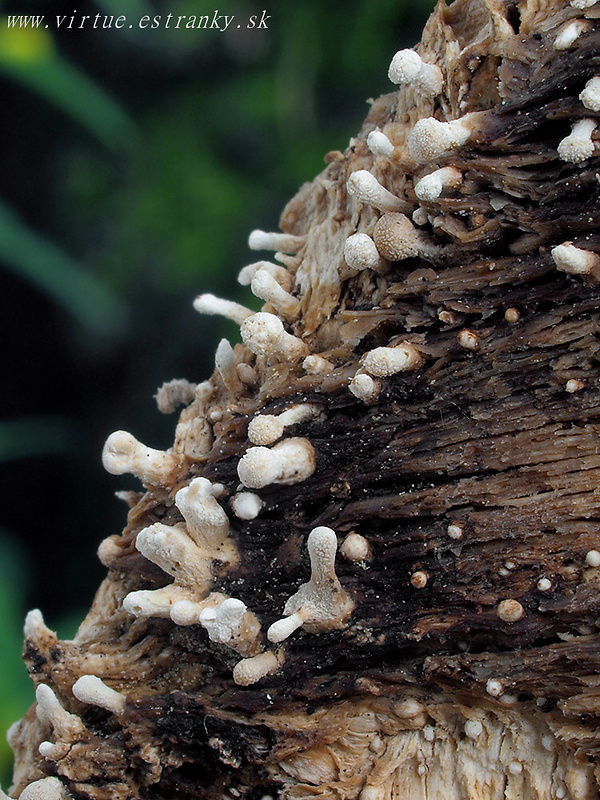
(259, 467)
(395, 237)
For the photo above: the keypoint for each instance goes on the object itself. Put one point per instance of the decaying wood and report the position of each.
(457, 654)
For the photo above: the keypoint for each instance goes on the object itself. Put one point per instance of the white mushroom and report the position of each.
(364, 387)
(570, 32)
(355, 548)
(590, 96)
(286, 242)
(315, 365)
(206, 521)
(171, 549)
(265, 429)
(384, 361)
(226, 366)
(291, 461)
(363, 185)
(281, 275)
(45, 789)
(397, 238)
(66, 726)
(265, 286)
(321, 604)
(123, 453)
(431, 186)
(431, 139)
(361, 253)
(574, 260)
(379, 144)
(264, 334)
(156, 602)
(246, 505)
(92, 690)
(407, 67)
(251, 670)
(578, 145)
(209, 304)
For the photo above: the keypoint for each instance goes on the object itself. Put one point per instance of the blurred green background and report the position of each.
(134, 163)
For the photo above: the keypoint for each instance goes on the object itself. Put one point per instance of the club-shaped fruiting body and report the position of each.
(265, 429)
(206, 521)
(431, 139)
(123, 453)
(246, 505)
(364, 387)
(265, 286)
(230, 623)
(384, 361)
(264, 334)
(569, 34)
(92, 690)
(315, 365)
(288, 462)
(578, 145)
(396, 239)
(590, 96)
(45, 789)
(431, 186)
(365, 187)
(407, 67)
(34, 628)
(379, 144)
(174, 393)
(156, 602)
(281, 275)
(209, 304)
(226, 366)
(286, 242)
(574, 260)
(321, 604)
(66, 726)
(171, 549)
(355, 548)
(361, 253)
(251, 670)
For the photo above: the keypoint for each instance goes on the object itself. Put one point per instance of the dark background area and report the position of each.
(133, 165)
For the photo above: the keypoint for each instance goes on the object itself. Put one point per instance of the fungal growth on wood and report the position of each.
(369, 566)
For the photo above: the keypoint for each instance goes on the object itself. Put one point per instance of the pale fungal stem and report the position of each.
(396, 239)
(246, 505)
(363, 185)
(264, 334)
(379, 144)
(468, 340)
(265, 287)
(361, 253)
(407, 68)
(286, 242)
(155, 602)
(365, 388)
(590, 96)
(384, 361)
(174, 393)
(123, 453)
(431, 186)
(291, 461)
(92, 690)
(53, 751)
(35, 628)
(281, 275)
(573, 385)
(206, 521)
(187, 611)
(431, 139)
(569, 34)
(592, 558)
(578, 145)
(315, 365)
(510, 610)
(226, 366)
(173, 551)
(67, 727)
(45, 789)
(265, 429)
(355, 548)
(209, 304)
(247, 374)
(574, 260)
(251, 670)
(321, 604)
